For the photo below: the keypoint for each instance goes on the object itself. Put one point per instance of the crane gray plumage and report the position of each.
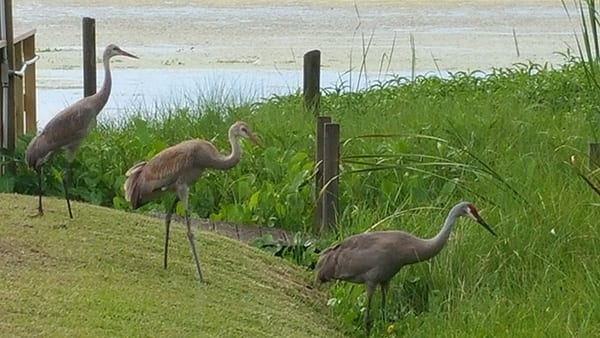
(175, 169)
(373, 258)
(69, 127)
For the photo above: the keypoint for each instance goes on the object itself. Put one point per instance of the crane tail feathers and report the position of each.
(37, 152)
(133, 185)
(136, 168)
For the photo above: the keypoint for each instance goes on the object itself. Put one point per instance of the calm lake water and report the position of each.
(148, 88)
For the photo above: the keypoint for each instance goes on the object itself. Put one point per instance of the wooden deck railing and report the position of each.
(20, 115)
(24, 114)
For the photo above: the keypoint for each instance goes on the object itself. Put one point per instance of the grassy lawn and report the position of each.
(101, 275)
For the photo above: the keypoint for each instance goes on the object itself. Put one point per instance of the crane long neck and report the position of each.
(233, 158)
(436, 243)
(101, 97)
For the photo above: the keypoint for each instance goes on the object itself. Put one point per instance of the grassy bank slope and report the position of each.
(101, 274)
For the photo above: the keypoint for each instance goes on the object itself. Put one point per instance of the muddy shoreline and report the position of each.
(448, 35)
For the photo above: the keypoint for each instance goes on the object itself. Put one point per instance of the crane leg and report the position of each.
(167, 226)
(190, 235)
(384, 288)
(40, 209)
(182, 193)
(66, 175)
(40, 192)
(370, 290)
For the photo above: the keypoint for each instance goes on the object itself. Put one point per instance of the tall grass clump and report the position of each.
(502, 140)
(588, 46)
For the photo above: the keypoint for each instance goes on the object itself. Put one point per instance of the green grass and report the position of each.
(101, 275)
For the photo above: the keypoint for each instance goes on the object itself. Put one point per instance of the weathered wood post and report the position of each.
(8, 83)
(319, 150)
(30, 90)
(311, 92)
(594, 154)
(89, 56)
(19, 104)
(331, 156)
(312, 77)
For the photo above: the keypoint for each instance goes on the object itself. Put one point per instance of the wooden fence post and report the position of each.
(9, 120)
(319, 149)
(30, 90)
(331, 156)
(89, 56)
(18, 92)
(311, 92)
(312, 76)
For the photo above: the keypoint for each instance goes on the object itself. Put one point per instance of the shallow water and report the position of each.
(148, 88)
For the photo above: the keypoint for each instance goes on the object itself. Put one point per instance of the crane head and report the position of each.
(471, 211)
(242, 129)
(113, 50)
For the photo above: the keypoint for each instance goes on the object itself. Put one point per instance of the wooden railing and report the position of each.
(18, 99)
(23, 78)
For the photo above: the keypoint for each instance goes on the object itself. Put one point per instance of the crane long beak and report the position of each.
(485, 225)
(124, 53)
(253, 138)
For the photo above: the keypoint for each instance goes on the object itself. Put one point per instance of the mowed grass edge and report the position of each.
(101, 274)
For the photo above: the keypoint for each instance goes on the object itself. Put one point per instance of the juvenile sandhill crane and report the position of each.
(373, 258)
(175, 169)
(69, 127)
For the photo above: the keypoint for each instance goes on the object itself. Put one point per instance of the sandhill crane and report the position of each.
(373, 258)
(175, 169)
(69, 127)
